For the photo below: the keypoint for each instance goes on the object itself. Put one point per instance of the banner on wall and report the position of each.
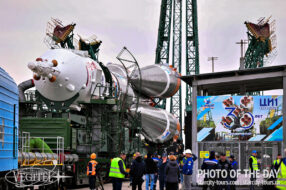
(239, 118)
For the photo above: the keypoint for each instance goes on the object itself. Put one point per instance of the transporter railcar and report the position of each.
(9, 109)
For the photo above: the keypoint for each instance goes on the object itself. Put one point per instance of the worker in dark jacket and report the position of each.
(150, 170)
(156, 160)
(224, 167)
(161, 171)
(137, 171)
(209, 166)
(118, 171)
(234, 169)
(91, 171)
(172, 172)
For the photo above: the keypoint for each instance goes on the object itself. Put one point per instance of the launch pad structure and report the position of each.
(238, 82)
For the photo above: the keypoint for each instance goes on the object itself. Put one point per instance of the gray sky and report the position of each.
(131, 23)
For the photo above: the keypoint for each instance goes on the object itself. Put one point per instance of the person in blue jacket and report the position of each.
(234, 165)
(188, 163)
(210, 165)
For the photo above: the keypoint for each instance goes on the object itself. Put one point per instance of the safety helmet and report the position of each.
(188, 151)
(93, 156)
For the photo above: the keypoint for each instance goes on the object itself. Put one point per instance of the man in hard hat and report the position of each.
(253, 167)
(91, 171)
(133, 159)
(188, 163)
(137, 171)
(118, 171)
(281, 178)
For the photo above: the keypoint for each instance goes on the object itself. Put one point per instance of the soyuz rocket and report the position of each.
(60, 74)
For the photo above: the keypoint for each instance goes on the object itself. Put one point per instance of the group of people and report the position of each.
(221, 179)
(221, 164)
(174, 169)
(169, 169)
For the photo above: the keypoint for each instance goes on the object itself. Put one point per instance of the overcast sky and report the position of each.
(134, 24)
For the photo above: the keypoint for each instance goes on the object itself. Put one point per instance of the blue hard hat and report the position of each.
(254, 151)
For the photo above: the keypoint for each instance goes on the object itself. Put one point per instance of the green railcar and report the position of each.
(96, 128)
(50, 127)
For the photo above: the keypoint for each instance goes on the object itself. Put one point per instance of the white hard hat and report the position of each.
(188, 151)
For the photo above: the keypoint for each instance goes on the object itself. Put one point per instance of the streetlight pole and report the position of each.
(212, 59)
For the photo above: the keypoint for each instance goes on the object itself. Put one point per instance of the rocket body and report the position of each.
(61, 74)
(158, 81)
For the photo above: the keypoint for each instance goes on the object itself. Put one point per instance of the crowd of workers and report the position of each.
(170, 170)
(173, 169)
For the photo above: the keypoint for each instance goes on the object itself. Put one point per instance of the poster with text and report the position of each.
(239, 118)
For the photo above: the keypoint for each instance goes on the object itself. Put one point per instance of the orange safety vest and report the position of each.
(91, 170)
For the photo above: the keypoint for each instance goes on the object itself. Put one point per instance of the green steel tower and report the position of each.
(169, 7)
(192, 47)
(176, 100)
(163, 41)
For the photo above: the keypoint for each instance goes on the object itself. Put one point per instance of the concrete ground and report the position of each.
(125, 186)
(242, 179)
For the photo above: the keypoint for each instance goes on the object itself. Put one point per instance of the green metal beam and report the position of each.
(176, 100)
(163, 40)
(192, 46)
(256, 52)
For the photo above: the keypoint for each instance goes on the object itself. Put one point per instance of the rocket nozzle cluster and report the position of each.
(43, 68)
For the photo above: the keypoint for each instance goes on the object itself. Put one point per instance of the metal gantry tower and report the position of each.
(176, 100)
(192, 47)
(163, 41)
(169, 7)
